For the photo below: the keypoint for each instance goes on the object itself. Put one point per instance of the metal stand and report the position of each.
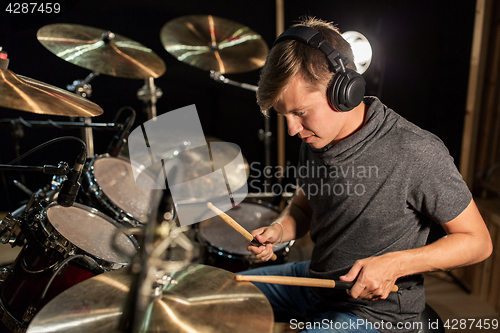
(265, 135)
(84, 89)
(149, 94)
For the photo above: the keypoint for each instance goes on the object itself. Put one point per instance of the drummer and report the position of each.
(369, 213)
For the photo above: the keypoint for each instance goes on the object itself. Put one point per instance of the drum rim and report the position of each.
(101, 215)
(90, 178)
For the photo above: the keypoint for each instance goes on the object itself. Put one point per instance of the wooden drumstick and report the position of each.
(300, 281)
(242, 231)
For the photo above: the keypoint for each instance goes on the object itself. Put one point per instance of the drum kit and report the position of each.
(104, 256)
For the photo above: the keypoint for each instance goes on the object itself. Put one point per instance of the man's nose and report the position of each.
(294, 125)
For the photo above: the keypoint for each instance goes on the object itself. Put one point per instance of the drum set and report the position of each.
(98, 252)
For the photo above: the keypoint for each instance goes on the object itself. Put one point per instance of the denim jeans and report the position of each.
(301, 307)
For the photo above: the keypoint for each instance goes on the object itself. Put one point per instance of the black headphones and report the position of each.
(347, 87)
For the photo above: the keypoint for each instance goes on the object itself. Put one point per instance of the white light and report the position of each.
(360, 48)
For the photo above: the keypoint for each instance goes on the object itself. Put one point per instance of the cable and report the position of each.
(84, 146)
(58, 270)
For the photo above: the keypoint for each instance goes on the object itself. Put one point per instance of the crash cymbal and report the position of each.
(22, 93)
(213, 43)
(101, 51)
(199, 299)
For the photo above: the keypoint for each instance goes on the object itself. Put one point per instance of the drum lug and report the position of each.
(4, 273)
(12, 229)
(29, 313)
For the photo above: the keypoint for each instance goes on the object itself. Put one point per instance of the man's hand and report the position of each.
(375, 277)
(267, 236)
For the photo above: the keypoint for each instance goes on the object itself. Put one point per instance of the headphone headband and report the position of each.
(315, 39)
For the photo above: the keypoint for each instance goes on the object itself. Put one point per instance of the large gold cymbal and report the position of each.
(200, 299)
(22, 93)
(101, 51)
(213, 43)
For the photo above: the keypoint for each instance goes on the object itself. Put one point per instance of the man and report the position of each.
(374, 184)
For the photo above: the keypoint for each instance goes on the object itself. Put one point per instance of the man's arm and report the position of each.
(467, 242)
(295, 220)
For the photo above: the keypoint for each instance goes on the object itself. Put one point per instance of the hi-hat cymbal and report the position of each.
(200, 299)
(101, 51)
(213, 43)
(22, 93)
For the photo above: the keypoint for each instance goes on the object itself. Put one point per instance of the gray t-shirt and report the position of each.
(374, 192)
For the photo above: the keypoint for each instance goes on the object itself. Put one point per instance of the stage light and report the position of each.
(361, 49)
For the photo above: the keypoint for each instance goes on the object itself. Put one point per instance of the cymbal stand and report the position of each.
(149, 94)
(151, 269)
(265, 134)
(84, 89)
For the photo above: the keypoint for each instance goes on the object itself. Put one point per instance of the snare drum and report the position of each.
(108, 184)
(227, 249)
(58, 234)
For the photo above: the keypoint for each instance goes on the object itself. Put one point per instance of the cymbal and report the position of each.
(201, 299)
(22, 93)
(101, 51)
(213, 43)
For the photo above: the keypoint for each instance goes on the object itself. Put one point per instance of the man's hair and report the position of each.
(290, 58)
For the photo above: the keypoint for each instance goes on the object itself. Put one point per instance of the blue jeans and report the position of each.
(301, 307)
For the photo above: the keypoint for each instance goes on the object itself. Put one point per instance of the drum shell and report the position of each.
(25, 280)
(217, 252)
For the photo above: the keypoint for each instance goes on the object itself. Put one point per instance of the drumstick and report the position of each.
(242, 231)
(300, 281)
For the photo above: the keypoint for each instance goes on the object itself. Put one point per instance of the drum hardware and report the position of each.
(84, 89)
(149, 94)
(116, 144)
(22, 187)
(11, 227)
(218, 77)
(62, 124)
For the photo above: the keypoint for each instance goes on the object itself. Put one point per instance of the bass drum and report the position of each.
(64, 246)
(225, 248)
(108, 184)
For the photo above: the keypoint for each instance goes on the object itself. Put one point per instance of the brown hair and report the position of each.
(289, 58)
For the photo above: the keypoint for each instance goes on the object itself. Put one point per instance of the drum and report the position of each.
(225, 248)
(56, 236)
(108, 184)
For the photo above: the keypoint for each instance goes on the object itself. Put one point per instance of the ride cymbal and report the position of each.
(213, 43)
(101, 51)
(22, 93)
(199, 299)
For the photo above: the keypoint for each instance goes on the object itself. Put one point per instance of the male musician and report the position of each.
(374, 184)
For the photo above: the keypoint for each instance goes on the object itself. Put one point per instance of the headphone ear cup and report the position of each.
(346, 90)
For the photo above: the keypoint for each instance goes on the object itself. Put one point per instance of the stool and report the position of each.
(431, 322)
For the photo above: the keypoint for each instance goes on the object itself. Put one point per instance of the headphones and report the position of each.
(347, 88)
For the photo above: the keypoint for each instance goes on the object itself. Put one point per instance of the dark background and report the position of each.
(420, 69)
